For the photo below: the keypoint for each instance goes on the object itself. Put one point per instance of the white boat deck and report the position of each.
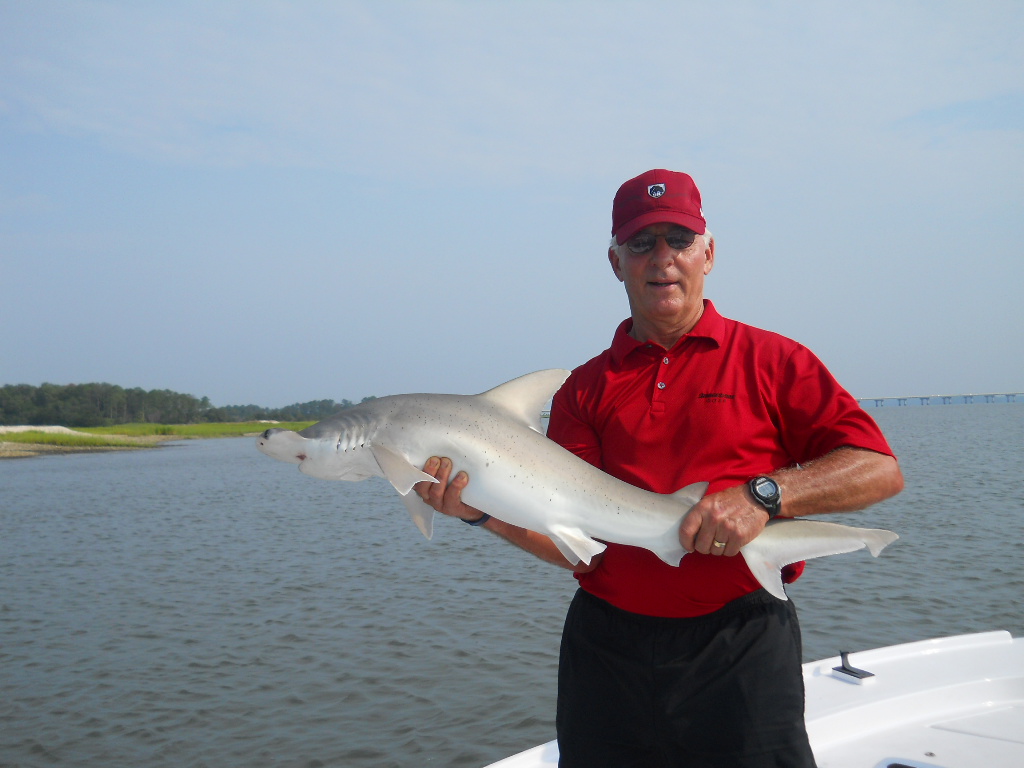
(955, 702)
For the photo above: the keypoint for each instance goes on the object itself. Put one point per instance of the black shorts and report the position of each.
(722, 690)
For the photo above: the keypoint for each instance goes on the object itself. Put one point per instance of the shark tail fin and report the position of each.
(768, 575)
(789, 541)
(526, 396)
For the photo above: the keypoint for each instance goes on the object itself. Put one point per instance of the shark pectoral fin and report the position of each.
(574, 544)
(421, 513)
(397, 469)
(403, 476)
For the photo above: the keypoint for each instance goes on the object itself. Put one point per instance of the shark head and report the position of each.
(283, 445)
(325, 452)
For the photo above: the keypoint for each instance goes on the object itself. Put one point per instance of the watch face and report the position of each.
(767, 488)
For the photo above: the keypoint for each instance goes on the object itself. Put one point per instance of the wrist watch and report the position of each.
(767, 493)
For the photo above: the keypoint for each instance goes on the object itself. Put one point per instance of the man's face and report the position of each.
(665, 286)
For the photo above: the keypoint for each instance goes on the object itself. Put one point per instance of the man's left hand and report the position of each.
(729, 517)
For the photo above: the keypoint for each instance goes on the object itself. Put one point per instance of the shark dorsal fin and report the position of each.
(525, 397)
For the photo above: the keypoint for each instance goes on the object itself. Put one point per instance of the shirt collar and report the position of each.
(711, 326)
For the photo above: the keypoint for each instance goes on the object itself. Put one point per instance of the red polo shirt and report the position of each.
(726, 403)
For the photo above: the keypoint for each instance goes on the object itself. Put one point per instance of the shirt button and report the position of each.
(661, 385)
(664, 360)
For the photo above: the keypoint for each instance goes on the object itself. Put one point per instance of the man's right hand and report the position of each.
(445, 496)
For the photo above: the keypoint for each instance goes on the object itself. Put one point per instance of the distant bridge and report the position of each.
(988, 397)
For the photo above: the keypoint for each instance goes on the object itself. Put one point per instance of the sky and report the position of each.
(276, 202)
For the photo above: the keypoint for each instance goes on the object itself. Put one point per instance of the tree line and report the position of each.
(97, 405)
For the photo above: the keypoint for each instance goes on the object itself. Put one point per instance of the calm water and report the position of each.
(201, 604)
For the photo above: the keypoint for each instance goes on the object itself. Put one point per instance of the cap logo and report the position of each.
(656, 190)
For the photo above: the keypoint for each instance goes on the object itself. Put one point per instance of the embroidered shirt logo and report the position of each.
(715, 397)
(656, 190)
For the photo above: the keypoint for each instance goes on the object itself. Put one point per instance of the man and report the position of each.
(694, 665)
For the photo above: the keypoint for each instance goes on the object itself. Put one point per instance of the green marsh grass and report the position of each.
(120, 436)
(210, 429)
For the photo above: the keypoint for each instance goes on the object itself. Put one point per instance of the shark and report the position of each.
(520, 476)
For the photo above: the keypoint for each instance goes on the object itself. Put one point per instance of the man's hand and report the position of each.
(844, 480)
(444, 496)
(730, 517)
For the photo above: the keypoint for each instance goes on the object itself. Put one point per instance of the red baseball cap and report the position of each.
(654, 197)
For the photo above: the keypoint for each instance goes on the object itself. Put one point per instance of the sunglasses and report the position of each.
(677, 240)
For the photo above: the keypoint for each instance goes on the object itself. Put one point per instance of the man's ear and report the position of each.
(709, 256)
(613, 259)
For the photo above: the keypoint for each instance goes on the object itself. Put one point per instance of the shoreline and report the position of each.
(10, 449)
(31, 450)
(49, 440)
